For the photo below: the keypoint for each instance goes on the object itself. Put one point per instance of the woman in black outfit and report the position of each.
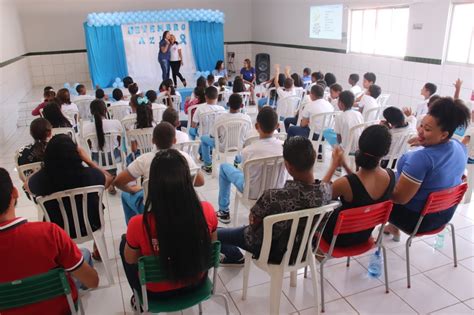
(176, 60)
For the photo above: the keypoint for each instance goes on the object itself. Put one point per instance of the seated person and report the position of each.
(330, 79)
(369, 101)
(119, 99)
(40, 131)
(120, 107)
(369, 185)
(172, 116)
(346, 120)
(265, 146)
(210, 80)
(68, 108)
(273, 96)
(427, 91)
(288, 88)
(369, 79)
(164, 136)
(210, 106)
(334, 91)
(318, 105)
(180, 229)
(63, 170)
(81, 93)
(52, 112)
(238, 86)
(208, 142)
(306, 78)
(220, 70)
(302, 192)
(438, 165)
(353, 79)
(34, 248)
(48, 94)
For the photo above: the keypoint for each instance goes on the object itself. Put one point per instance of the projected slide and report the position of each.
(326, 22)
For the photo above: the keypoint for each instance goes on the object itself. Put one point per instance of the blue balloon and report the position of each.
(67, 85)
(117, 79)
(115, 85)
(120, 84)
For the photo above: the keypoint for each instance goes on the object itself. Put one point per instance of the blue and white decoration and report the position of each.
(127, 43)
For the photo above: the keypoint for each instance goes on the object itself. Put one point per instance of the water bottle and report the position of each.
(439, 240)
(375, 265)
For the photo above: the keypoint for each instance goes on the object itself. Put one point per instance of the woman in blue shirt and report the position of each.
(220, 70)
(438, 165)
(164, 55)
(247, 73)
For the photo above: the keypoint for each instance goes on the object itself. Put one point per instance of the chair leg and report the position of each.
(306, 272)
(407, 250)
(314, 281)
(226, 302)
(321, 274)
(276, 284)
(102, 248)
(453, 236)
(293, 275)
(385, 268)
(348, 261)
(236, 207)
(200, 308)
(248, 261)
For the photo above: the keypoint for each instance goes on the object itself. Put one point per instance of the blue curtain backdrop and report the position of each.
(207, 44)
(106, 54)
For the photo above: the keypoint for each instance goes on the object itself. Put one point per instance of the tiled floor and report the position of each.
(437, 287)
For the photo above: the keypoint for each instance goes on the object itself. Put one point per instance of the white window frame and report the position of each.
(349, 26)
(451, 18)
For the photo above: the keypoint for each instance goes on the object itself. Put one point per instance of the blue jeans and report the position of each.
(228, 175)
(207, 143)
(263, 101)
(132, 204)
(290, 121)
(165, 68)
(294, 131)
(87, 259)
(231, 240)
(193, 133)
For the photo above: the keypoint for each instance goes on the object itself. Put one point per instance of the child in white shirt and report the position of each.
(346, 120)
(369, 79)
(355, 89)
(210, 106)
(120, 108)
(426, 91)
(369, 101)
(172, 116)
(69, 109)
(81, 93)
(334, 91)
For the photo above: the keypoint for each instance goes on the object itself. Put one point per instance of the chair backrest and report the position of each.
(128, 123)
(383, 99)
(320, 122)
(272, 170)
(190, 147)
(399, 145)
(72, 197)
(269, 95)
(119, 112)
(143, 137)
(206, 121)
(373, 113)
(300, 92)
(354, 135)
(299, 241)
(191, 110)
(175, 100)
(66, 131)
(158, 114)
(26, 170)
(245, 100)
(106, 157)
(288, 106)
(232, 132)
(444, 199)
(84, 106)
(35, 289)
(360, 219)
(280, 135)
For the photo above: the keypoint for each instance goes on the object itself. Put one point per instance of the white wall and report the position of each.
(57, 25)
(14, 78)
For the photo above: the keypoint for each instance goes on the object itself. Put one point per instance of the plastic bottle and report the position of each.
(375, 265)
(439, 240)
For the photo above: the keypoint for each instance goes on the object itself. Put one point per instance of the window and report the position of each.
(379, 31)
(461, 34)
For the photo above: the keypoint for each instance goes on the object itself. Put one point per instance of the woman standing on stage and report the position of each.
(164, 55)
(176, 60)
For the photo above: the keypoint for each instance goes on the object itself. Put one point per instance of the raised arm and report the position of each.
(457, 88)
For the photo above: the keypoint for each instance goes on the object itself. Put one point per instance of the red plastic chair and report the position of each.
(351, 221)
(437, 202)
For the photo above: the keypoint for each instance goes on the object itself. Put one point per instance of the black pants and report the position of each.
(406, 219)
(175, 65)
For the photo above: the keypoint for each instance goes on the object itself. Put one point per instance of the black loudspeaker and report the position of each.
(262, 65)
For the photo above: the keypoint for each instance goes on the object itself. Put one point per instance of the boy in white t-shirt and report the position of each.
(288, 89)
(334, 91)
(164, 136)
(369, 101)
(120, 108)
(265, 146)
(81, 93)
(172, 116)
(210, 106)
(369, 79)
(208, 142)
(426, 91)
(346, 120)
(355, 89)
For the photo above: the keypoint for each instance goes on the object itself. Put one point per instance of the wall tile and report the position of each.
(48, 70)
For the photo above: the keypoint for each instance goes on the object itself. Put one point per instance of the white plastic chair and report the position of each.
(305, 255)
(354, 135)
(143, 137)
(268, 96)
(84, 106)
(273, 172)
(399, 146)
(300, 92)
(129, 123)
(375, 113)
(318, 129)
(118, 112)
(158, 114)
(175, 100)
(245, 100)
(233, 133)
(191, 110)
(287, 107)
(106, 157)
(280, 135)
(383, 99)
(206, 121)
(64, 131)
(71, 197)
(190, 147)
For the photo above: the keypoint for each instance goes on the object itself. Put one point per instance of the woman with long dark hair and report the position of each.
(220, 70)
(52, 113)
(69, 109)
(40, 131)
(164, 55)
(176, 61)
(177, 230)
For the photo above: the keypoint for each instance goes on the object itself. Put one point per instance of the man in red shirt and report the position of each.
(33, 248)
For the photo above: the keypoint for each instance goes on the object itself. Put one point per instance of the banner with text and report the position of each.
(142, 44)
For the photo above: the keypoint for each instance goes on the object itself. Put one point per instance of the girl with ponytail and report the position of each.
(40, 130)
(438, 165)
